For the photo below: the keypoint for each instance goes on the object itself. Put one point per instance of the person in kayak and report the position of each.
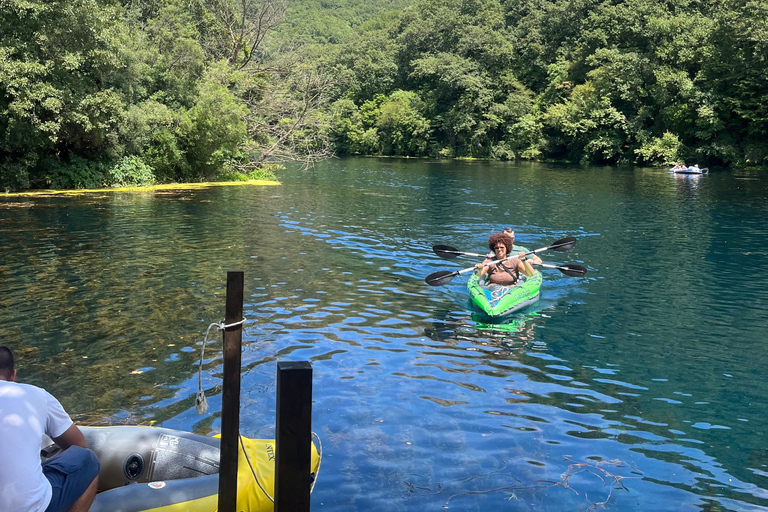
(66, 482)
(504, 272)
(511, 234)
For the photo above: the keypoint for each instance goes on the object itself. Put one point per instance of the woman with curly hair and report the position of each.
(505, 272)
(535, 260)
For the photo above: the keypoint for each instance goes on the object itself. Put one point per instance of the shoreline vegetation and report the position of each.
(149, 188)
(102, 93)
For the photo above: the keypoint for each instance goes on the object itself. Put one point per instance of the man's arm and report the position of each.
(71, 437)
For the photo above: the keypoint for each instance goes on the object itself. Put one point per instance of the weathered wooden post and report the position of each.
(230, 395)
(294, 436)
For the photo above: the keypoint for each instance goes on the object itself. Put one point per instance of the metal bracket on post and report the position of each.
(294, 436)
(230, 393)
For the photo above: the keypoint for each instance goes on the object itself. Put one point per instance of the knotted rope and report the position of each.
(201, 404)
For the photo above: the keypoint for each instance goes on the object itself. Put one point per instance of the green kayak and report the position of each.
(499, 301)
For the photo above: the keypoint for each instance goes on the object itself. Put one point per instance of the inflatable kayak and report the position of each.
(162, 470)
(689, 170)
(498, 301)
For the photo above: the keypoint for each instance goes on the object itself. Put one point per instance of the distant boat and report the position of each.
(694, 169)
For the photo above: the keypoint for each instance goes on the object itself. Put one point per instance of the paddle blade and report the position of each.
(440, 278)
(446, 251)
(573, 270)
(562, 245)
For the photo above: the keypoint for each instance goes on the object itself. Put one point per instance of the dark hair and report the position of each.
(509, 232)
(6, 362)
(500, 237)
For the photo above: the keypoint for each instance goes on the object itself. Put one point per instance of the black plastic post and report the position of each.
(294, 436)
(230, 394)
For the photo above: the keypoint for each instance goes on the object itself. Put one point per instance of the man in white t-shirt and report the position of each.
(65, 483)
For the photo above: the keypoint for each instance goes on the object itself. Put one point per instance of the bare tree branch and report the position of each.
(247, 23)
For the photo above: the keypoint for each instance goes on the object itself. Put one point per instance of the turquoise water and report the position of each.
(638, 387)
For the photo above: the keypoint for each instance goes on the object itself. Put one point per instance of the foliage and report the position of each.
(98, 92)
(333, 21)
(401, 127)
(230, 174)
(212, 129)
(60, 85)
(634, 81)
(77, 173)
(664, 150)
(130, 171)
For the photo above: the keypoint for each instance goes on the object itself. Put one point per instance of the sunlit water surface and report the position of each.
(639, 387)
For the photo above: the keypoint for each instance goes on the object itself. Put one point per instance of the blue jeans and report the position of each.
(70, 474)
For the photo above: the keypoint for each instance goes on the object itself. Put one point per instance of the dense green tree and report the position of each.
(333, 21)
(92, 90)
(737, 76)
(348, 132)
(588, 80)
(61, 79)
(458, 57)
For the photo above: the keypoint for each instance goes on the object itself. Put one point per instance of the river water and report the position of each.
(637, 387)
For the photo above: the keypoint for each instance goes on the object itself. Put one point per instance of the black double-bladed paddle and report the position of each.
(569, 270)
(445, 276)
(448, 252)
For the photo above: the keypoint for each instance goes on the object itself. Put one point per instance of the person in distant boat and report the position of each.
(504, 272)
(511, 234)
(65, 483)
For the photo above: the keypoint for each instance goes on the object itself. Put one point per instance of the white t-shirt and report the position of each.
(26, 413)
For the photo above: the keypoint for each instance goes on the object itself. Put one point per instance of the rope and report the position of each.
(253, 472)
(227, 326)
(319, 460)
(201, 403)
(315, 437)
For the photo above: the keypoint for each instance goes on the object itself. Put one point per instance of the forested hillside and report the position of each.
(331, 21)
(119, 92)
(635, 81)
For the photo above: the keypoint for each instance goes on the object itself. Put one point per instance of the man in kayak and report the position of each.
(511, 234)
(65, 483)
(504, 272)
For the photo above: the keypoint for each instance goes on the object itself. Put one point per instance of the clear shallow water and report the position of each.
(640, 385)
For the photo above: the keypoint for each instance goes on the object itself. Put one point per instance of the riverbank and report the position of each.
(167, 186)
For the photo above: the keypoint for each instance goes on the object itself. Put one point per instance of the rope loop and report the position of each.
(201, 403)
(223, 326)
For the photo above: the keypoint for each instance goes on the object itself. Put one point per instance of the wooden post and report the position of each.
(230, 394)
(294, 436)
